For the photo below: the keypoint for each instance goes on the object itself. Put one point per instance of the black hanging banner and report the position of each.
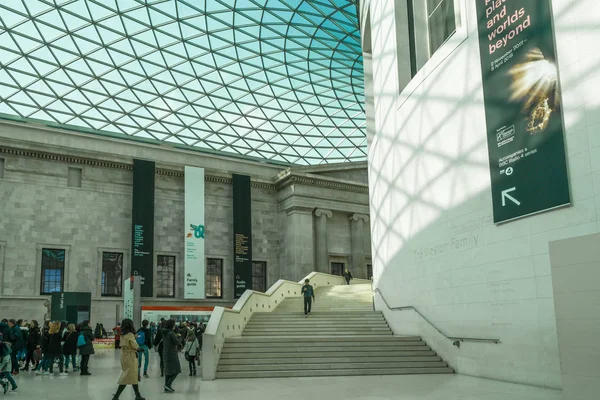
(242, 234)
(523, 112)
(142, 225)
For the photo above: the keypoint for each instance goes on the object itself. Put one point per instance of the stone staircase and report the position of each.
(343, 336)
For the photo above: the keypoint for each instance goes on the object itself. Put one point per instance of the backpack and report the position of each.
(140, 338)
(81, 340)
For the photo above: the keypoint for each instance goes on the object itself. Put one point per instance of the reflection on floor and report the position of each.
(105, 370)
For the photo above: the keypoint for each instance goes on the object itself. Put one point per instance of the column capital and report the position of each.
(358, 217)
(319, 212)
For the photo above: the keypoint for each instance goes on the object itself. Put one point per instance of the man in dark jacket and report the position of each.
(16, 342)
(88, 349)
(308, 292)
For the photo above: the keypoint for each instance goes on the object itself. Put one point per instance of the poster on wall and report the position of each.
(242, 234)
(194, 234)
(142, 225)
(523, 111)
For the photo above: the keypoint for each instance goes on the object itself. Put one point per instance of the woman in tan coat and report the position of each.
(129, 362)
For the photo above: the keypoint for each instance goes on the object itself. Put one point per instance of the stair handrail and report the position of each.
(455, 339)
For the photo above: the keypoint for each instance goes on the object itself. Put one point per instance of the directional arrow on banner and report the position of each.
(506, 195)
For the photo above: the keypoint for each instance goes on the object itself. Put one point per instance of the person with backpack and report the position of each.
(70, 347)
(6, 366)
(190, 350)
(85, 343)
(143, 338)
(129, 352)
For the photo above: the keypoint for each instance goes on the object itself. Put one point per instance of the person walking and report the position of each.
(16, 341)
(55, 348)
(6, 366)
(70, 347)
(42, 368)
(33, 343)
(144, 340)
(86, 346)
(158, 346)
(171, 348)
(117, 331)
(190, 350)
(347, 276)
(309, 295)
(129, 364)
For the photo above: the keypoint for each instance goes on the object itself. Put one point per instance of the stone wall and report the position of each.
(39, 210)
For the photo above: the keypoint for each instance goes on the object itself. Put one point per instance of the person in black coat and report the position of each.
(33, 343)
(70, 347)
(171, 347)
(55, 347)
(158, 345)
(88, 348)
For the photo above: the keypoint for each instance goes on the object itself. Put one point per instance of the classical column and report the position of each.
(321, 249)
(299, 256)
(358, 266)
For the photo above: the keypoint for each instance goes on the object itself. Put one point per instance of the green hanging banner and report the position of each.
(142, 225)
(523, 108)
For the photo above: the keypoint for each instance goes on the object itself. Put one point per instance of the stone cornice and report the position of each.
(284, 179)
(288, 179)
(66, 159)
(41, 155)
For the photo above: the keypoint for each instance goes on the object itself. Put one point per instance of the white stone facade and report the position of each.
(430, 189)
(38, 209)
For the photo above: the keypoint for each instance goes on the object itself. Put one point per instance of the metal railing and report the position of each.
(456, 340)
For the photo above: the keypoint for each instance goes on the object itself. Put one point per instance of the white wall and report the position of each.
(575, 275)
(430, 187)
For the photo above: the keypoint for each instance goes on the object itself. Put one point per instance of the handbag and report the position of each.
(187, 356)
(81, 340)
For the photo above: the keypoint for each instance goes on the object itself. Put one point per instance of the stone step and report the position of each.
(313, 324)
(313, 333)
(332, 372)
(326, 351)
(338, 366)
(320, 339)
(325, 360)
(341, 345)
(320, 328)
(317, 354)
(315, 328)
(328, 316)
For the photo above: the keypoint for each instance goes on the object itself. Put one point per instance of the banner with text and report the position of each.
(194, 234)
(522, 107)
(142, 225)
(242, 234)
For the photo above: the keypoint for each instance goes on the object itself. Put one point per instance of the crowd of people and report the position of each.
(27, 346)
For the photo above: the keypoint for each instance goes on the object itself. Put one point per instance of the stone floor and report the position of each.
(105, 370)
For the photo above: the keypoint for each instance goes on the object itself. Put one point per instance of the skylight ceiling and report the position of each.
(280, 80)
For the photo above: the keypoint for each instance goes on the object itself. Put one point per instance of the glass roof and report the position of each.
(277, 80)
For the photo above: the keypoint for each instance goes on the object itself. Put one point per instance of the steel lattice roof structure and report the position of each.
(275, 80)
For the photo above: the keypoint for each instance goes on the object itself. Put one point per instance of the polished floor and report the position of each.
(105, 370)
